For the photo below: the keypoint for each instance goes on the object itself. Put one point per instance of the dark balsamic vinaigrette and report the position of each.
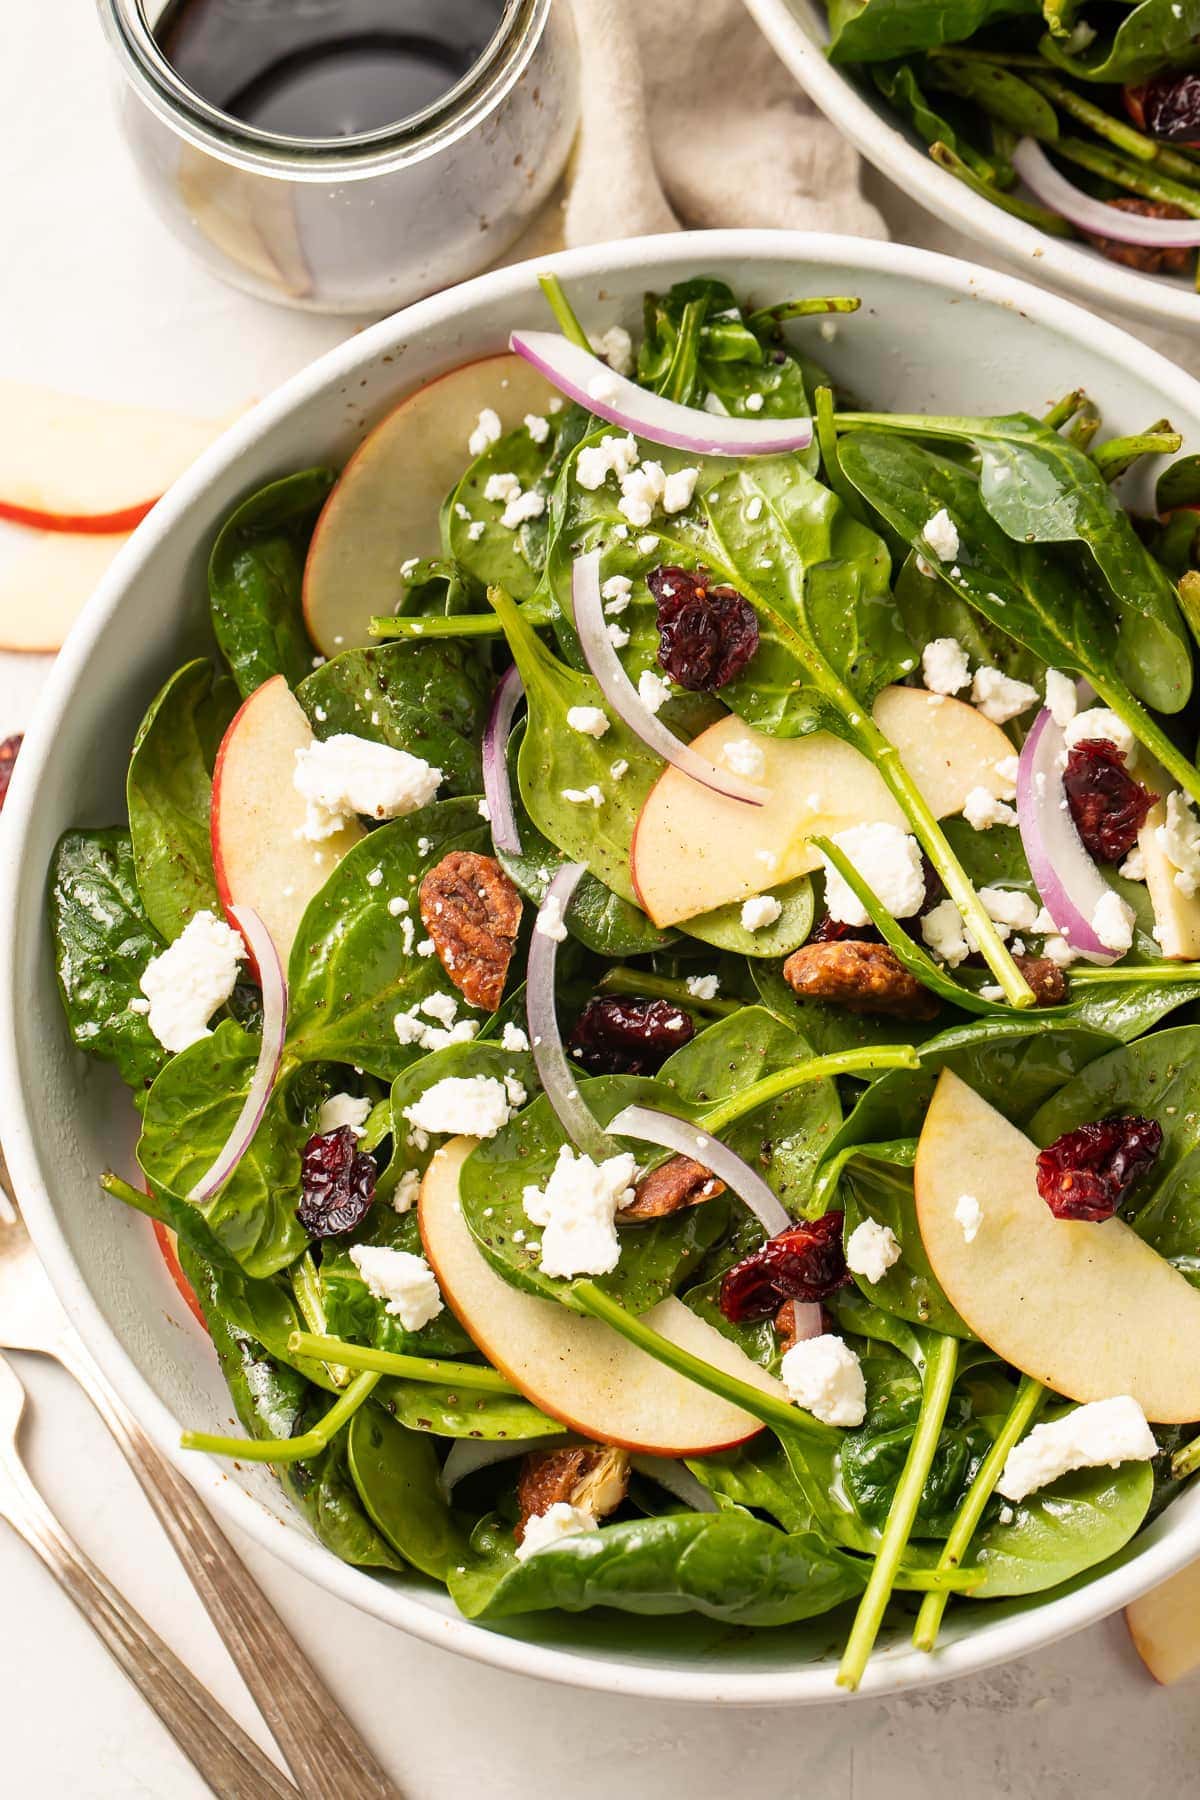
(325, 68)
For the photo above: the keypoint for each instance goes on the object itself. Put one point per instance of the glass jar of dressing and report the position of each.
(346, 155)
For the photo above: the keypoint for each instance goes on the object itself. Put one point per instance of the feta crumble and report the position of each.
(408, 1191)
(982, 810)
(344, 1109)
(889, 861)
(502, 487)
(1000, 697)
(1099, 722)
(760, 911)
(1112, 922)
(1179, 840)
(969, 1216)
(604, 388)
(745, 757)
(529, 505)
(549, 922)
(678, 490)
(476, 1105)
(1061, 701)
(653, 690)
(560, 1520)
(641, 490)
(944, 666)
(615, 590)
(754, 403)
(588, 796)
(590, 721)
(703, 987)
(1099, 1434)
(611, 456)
(578, 1208)
(944, 932)
(1009, 906)
(871, 1250)
(185, 983)
(823, 1375)
(537, 427)
(941, 534)
(616, 347)
(513, 1039)
(346, 775)
(405, 1282)
(1134, 866)
(487, 431)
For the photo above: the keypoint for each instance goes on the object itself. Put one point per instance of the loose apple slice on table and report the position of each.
(68, 463)
(1165, 1626)
(694, 849)
(578, 1369)
(383, 510)
(44, 588)
(260, 857)
(1088, 1309)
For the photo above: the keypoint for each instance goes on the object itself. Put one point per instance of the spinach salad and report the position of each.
(1081, 120)
(662, 1012)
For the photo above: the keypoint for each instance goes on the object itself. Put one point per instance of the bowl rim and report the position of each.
(892, 152)
(1168, 1545)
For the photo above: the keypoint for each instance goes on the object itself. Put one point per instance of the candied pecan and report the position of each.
(1149, 258)
(8, 757)
(1086, 1173)
(707, 634)
(785, 1325)
(472, 912)
(1047, 980)
(804, 1262)
(617, 1034)
(337, 1183)
(593, 1476)
(864, 978)
(675, 1184)
(1108, 806)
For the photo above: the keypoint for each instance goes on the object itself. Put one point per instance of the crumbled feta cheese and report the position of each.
(1099, 722)
(944, 666)
(1061, 700)
(646, 545)
(397, 905)
(502, 487)
(871, 1249)
(374, 878)
(476, 530)
(1134, 866)
(513, 1039)
(1179, 840)
(484, 810)
(941, 534)
(549, 922)
(604, 388)
(1006, 1515)
(641, 490)
(1103, 1433)
(619, 768)
(754, 403)
(616, 347)
(703, 987)
(407, 1191)
(344, 775)
(754, 508)
(611, 456)
(823, 1375)
(889, 861)
(999, 697)
(1005, 770)
(404, 1281)
(745, 757)
(615, 590)
(487, 431)
(537, 427)
(475, 1105)
(678, 490)
(1112, 922)
(139, 1005)
(969, 1215)
(982, 810)
(442, 1007)
(426, 947)
(411, 1028)
(544, 1529)
(591, 721)
(185, 983)
(1009, 906)
(617, 638)
(529, 505)
(588, 796)
(344, 1109)
(653, 690)
(760, 911)
(991, 990)
(943, 930)
(1057, 950)
(578, 1208)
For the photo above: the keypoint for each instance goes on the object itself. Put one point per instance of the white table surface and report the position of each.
(96, 297)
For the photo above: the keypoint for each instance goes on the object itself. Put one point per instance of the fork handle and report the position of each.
(231, 1763)
(323, 1750)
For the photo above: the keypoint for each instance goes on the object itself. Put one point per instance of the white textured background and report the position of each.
(95, 297)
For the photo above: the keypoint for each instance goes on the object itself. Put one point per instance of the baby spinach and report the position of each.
(498, 554)
(254, 580)
(876, 30)
(482, 1057)
(102, 943)
(1156, 35)
(396, 1473)
(352, 1311)
(877, 1185)
(169, 795)
(1065, 1528)
(460, 1412)
(931, 608)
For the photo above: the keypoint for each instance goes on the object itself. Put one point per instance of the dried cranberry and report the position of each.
(614, 1035)
(337, 1183)
(1167, 106)
(805, 1262)
(8, 757)
(829, 930)
(1085, 1174)
(707, 634)
(1108, 806)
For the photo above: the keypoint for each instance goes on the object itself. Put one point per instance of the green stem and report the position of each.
(1085, 426)
(1041, 216)
(131, 1196)
(1064, 409)
(1186, 1461)
(1189, 600)
(802, 1074)
(561, 307)
(440, 1369)
(288, 1450)
(782, 1417)
(1120, 453)
(831, 462)
(1088, 113)
(623, 980)
(1026, 1401)
(306, 1285)
(1148, 732)
(438, 626)
(1015, 60)
(1132, 973)
(679, 382)
(802, 309)
(1139, 179)
(940, 1369)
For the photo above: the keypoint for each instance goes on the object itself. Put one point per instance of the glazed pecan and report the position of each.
(675, 1184)
(8, 757)
(593, 1476)
(1047, 980)
(785, 1325)
(864, 978)
(472, 912)
(1146, 257)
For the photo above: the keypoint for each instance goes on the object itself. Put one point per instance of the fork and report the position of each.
(324, 1752)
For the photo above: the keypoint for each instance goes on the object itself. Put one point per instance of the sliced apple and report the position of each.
(1090, 1310)
(1176, 915)
(1165, 1626)
(43, 589)
(384, 508)
(260, 856)
(579, 1370)
(166, 1240)
(694, 849)
(72, 464)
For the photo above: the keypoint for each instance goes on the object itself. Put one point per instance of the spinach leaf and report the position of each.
(463, 1412)
(1157, 35)
(169, 794)
(349, 973)
(876, 30)
(874, 1454)
(263, 1310)
(931, 608)
(1057, 1533)
(875, 1187)
(102, 943)
(899, 85)
(430, 699)
(830, 1028)
(756, 1476)
(189, 1114)
(413, 1152)
(353, 1312)
(498, 555)
(725, 1565)
(723, 928)
(255, 576)
(397, 1476)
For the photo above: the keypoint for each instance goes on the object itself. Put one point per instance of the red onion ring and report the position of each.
(274, 1028)
(1067, 880)
(466, 1455)
(497, 789)
(624, 699)
(1089, 214)
(560, 1082)
(670, 1133)
(581, 376)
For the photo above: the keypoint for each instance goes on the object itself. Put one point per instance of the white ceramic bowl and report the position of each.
(798, 30)
(933, 334)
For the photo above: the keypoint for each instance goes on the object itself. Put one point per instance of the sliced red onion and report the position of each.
(467, 1455)
(624, 699)
(686, 1139)
(677, 1479)
(274, 1026)
(497, 789)
(1089, 214)
(560, 1082)
(581, 376)
(1068, 881)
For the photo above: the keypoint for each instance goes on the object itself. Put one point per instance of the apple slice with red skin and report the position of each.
(260, 857)
(44, 588)
(165, 1239)
(1165, 1626)
(694, 850)
(383, 510)
(72, 464)
(1088, 1309)
(578, 1369)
